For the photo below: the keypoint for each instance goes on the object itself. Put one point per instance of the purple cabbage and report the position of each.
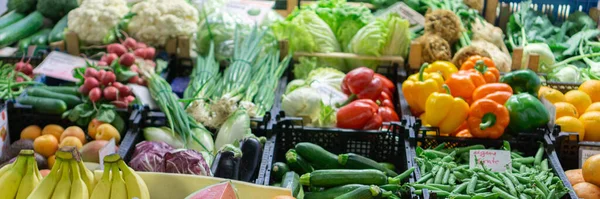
(186, 161)
(149, 156)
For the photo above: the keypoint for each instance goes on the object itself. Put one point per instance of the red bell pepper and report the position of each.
(385, 100)
(388, 85)
(359, 114)
(388, 114)
(361, 83)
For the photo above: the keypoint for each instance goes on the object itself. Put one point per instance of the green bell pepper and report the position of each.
(526, 112)
(523, 81)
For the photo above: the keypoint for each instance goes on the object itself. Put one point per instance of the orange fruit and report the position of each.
(591, 122)
(51, 161)
(587, 190)
(572, 125)
(574, 176)
(93, 126)
(73, 131)
(71, 141)
(565, 109)
(31, 132)
(552, 95)
(579, 99)
(54, 130)
(542, 89)
(591, 170)
(594, 107)
(45, 145)
(107, 132)
(592, 88)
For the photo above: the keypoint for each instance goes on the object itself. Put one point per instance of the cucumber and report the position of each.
(291, 181)
(279, 169)
(41, 37)
(355, 161)
(318, 157)
(10, 18)
(21, 29)
(366, 192)
(58, 32)
(297, 163)
(24, 43)
(338, 177)
(333, 192)
(44, 105)
(69, 90)
(70, 100)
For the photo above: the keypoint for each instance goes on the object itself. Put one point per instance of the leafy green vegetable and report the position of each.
(56, 9)
(569, 73)
(581, 21)
(21, 6)
(304, 66)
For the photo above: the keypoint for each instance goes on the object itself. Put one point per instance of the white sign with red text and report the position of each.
(496, 160)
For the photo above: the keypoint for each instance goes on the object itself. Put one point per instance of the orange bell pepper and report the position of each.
(499, 92)
(487, 119)
(464, 134)
(463, 83)
(483, 65)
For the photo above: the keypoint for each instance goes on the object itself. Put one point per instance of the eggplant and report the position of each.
(227, 162)
(252, 149)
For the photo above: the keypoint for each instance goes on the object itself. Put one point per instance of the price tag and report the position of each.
(551, 112)
(3, 131)
(496, 160)
(108, 149)
(60, 65)
(415, 18)
(143, 94)
(586, 152)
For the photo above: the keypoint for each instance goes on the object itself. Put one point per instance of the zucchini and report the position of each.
(338, 177)
(333, 192)
(291, 181)
(58, 32)
(366, 192)
(41, 37)
(251, 158)
(69, 90)
(21, 29)
(388, 165)
(71, 100)
(44, 105)
(10, 18)
(279, 169)
(25, 43)
(355, 161)
(297, 163)
(318, 157)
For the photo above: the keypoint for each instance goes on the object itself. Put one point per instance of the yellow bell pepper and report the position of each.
(445, 68)
(445, 111)
(419, 86)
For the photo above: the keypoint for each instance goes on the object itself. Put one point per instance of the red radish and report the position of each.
(83, 90)
(95, 94)
(90, 72)
(20, 79)
(130, 98)
(150, 53)
(140, 52)
(109, 58)
(124, 91)
(134, 79)
(117, 85)
(116, 48)
(27, 69)
(127, 59)
(101, 63)
(130, 43)
(140, 45)
(141, 82)
(120, 104)
(108, 78)
(90, 83)
(134, 68)
(110, 93)
(101, 74)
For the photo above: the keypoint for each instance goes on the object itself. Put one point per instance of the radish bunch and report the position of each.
(101, 84)
(127, 54)
(25, 68)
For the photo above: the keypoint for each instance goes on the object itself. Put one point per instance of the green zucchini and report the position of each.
(70, 100)
(41, 37)
(291, 181)
(297, 163)
(355, 161)
(317, 156)
(25, 43)
(279, 169)
(21, 29)
(388, 165)
(10, 18)
(338, 177)
(366, 192)
(44, 105)
(333, 192)
(69, 90)
(58, 32)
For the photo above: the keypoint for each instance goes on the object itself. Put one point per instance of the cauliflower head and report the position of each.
(95, 18)
(158, 20)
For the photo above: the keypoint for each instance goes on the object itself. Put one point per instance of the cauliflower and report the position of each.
(158, 20)
(94, 19)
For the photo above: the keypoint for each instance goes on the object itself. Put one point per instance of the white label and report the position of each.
(60, 65)
(143, 94)
(496, 160)
(3, 130)
(551, 112)
(108, 149)
(586, 152)
(7, 51)
(400, 8)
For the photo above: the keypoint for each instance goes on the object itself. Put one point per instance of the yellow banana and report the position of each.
(78, 188)
(46, 187)
(102, 188)
(11, 180)
(63, 188)
(87, 176)
(118, 187)
(136, 187)
(5, 168)
(36, 171)
(29, 180)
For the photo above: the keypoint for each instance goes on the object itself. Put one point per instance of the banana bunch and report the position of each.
(18, 179)
(115, 184)
(69, 178)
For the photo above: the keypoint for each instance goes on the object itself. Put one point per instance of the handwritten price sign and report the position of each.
(496, 160)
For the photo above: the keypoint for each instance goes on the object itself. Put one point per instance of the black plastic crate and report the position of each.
(568, 147)
(523, 142)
